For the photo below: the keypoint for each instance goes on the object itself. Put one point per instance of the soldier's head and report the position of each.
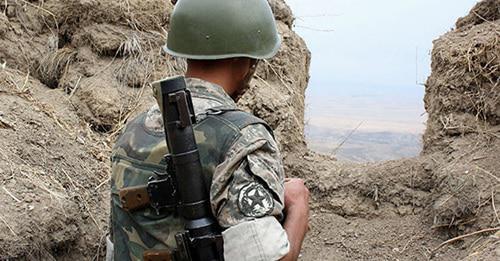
(223, 40)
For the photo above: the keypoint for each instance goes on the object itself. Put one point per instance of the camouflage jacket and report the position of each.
(242, 167)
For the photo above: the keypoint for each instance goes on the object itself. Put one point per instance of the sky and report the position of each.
(370, 59)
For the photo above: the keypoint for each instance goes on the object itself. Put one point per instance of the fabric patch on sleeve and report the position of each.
(255, 201)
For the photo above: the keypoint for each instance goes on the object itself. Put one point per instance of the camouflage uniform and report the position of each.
(242, 167)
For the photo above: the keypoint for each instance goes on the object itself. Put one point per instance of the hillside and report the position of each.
(361, 145)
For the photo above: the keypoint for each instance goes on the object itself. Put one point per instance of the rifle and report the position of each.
(202, 239)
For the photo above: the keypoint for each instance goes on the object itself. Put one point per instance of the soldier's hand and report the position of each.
(297, 215)
(296, 194)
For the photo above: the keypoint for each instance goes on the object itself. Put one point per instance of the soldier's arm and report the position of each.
(297, 216)
(248, 198)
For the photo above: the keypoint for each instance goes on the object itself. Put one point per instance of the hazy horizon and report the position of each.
(370, 60)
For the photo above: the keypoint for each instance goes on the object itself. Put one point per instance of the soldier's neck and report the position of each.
(225, 80)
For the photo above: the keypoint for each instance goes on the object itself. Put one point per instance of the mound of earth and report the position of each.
(72, 72)
(406, 209)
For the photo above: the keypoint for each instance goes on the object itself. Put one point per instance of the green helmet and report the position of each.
(219, 29)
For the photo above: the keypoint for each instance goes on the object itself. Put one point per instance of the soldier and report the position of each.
(263, 216)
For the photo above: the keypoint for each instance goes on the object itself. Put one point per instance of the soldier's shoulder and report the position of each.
(257, 132)
(254, 134)
(153, 121)
(150, 121)
(243, 119)
(142, 139)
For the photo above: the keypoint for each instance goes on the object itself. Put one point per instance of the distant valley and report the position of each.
(363, 145)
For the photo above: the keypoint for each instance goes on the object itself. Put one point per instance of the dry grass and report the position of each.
(463, 91)
(486, 248)
(21, 87)
(488, 230)
(140, 16)
(132, 45)
(62, 189)
(484, 11)
(8, 226)
(13, 83)
(52, 66)
(125, 114)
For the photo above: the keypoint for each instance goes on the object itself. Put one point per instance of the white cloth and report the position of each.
(109, 249)
(262, 239)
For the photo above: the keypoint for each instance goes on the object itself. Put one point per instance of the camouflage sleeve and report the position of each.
(249, 183)
(264, 240)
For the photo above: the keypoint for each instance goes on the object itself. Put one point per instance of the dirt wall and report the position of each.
(462, 95)
(451, 190)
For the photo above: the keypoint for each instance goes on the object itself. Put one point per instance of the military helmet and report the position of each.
(219, 29)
